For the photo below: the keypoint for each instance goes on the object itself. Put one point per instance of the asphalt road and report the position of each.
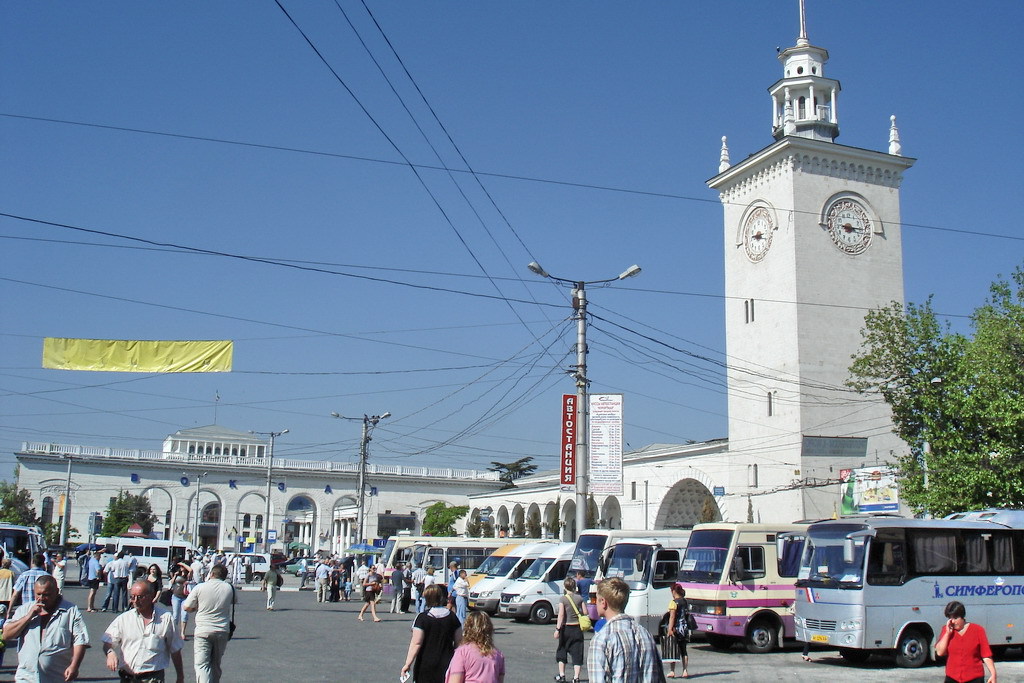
(302, 641)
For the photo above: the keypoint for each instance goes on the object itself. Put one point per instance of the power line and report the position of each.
(505, 176)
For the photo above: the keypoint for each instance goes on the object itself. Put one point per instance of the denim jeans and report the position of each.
(208, 652)
(179, 615)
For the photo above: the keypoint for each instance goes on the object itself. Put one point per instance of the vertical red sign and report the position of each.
(568, 456)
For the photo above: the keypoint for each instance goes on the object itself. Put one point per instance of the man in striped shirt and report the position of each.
(25, 586)
(623, 651)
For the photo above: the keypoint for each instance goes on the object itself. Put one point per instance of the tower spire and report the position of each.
(802, 40)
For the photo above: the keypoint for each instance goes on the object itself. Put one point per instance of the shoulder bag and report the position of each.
(585, 623)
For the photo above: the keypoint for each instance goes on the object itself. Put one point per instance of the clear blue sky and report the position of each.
(592, 126)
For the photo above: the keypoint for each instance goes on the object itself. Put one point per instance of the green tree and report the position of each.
(962, 395)
(509, 471)
(125, 510)
(439, 519)
(16, 506)
(533, 524)
(487, 529)
(474, 528)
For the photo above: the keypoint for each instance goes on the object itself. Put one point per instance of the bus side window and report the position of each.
(933, 552)
(558, 570)
(753, 561)
(887, 565)
(666, 568)
(789, 557)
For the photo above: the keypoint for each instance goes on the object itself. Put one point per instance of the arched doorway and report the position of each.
(687, 503)
(552, 524)
(611, 513)
(343, 523)
(209, 525)
(568, 521)
(300, 529)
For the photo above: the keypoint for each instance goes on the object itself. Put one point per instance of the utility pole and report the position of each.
(270, 480)
(579, 304)
(64, 521)
(369, 422)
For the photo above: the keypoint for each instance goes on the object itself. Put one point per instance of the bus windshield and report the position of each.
(630, 562)
(824, 565)
(488, 564)
(537, 569)
(504, 566)
(588, 553)
(706, 554)
(389, 549)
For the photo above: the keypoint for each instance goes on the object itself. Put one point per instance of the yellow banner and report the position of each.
(126, 355)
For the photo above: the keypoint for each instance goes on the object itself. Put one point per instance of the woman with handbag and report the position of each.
(372, 585)
(679, 626)
(569, 631)
(436, 633)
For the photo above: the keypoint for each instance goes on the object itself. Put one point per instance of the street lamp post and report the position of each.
(579, 304)
(270, 475)
(369, 422)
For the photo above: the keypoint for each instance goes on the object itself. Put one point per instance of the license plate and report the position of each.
(819, 639)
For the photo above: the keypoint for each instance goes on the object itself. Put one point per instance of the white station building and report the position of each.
(210, 483)
(812, 238)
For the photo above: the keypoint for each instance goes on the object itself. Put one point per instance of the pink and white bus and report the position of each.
(739, 581)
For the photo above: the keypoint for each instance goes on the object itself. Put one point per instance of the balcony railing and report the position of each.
(100, 453)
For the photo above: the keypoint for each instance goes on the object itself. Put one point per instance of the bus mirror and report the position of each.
(737, 572)
(848, 551)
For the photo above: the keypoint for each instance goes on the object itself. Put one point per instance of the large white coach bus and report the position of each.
(881, 583)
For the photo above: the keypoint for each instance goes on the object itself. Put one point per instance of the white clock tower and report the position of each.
(812, 242)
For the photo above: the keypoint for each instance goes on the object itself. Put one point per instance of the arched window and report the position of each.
(246, 520)
(259, 521)
(47, 511)
(801, 108)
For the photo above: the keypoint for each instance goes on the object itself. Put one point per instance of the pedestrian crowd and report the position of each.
(145, 639)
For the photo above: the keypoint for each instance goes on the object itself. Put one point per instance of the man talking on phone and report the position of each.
(53, 636)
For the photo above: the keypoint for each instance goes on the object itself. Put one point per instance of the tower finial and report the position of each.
(802, 40)
(895, 148)
(723, 159)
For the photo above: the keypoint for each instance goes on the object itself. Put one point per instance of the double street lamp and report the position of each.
(369, 422)
(579, 304)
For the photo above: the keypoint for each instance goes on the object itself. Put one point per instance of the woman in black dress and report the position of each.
(435, 635)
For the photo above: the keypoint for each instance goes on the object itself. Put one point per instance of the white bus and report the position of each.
(147, 551)
(439, 551)
(880, 584)
(20, 543)
(739, 580)
(591, 544)
(649, 566)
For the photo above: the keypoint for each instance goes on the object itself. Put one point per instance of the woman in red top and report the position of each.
(965, 647)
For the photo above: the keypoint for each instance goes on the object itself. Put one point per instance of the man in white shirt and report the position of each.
(323, 581)
(140, 643)
(53, 635)
(117, 584)
(212, 602)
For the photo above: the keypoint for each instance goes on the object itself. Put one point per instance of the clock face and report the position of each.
(757, 233)
(849, 226)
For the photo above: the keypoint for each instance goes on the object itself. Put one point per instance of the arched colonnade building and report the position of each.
(219, 476)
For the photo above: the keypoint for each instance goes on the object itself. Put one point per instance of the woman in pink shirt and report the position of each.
(477, 660)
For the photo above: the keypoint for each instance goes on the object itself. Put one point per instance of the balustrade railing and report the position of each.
(101, 453)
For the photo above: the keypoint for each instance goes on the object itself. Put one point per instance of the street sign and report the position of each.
(271, 535)
(719, 491)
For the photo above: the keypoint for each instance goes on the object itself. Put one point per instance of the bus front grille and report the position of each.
(820, 624)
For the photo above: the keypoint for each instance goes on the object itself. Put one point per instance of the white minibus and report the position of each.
(148, 551)
(591, 545)
(649, 565)
(739, 581)
(881, 584)
(20, 543)
(438, 552)
(535, 594)
(487, 592)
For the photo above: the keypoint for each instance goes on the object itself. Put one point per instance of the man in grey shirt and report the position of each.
(53, 636)
(212, 603)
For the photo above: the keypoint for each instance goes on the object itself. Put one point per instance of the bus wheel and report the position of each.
(719, 642)
(763, 636)
(912, 650)
(541, 613)
(854, 656)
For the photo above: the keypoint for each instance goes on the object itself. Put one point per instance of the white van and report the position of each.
(148, 551)
(487, 592)
(535, 594)
(650, 565)
(251, 566)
